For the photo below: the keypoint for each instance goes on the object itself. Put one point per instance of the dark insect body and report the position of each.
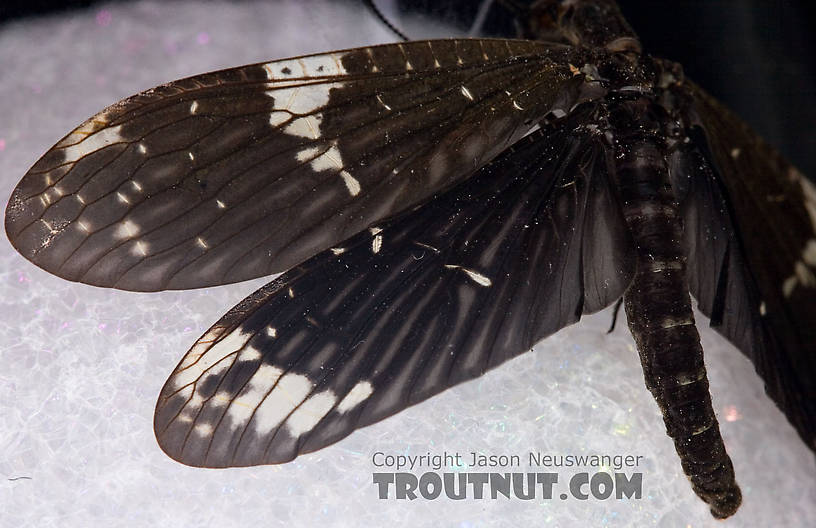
(443, 205)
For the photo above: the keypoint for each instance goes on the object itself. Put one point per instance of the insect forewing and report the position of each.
(244, 172)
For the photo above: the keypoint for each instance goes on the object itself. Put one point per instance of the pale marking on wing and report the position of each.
(187, 394)
(375, 230)
(122, 198)
(324, 65)
(136, 185)
(193, 107)
(299, 103)
(330, 160)
(220, 204)
(142, 148)
(291, 293)
(763, 310)
(201, 243)
(80, 199)
(351, 182)
(48, 226)
(306, 416)
(466, 92)
(288, 393)
(379, 99)
(241, 408)
(358, 394)
(190, 154)
(475, 276)
(221, 398)
(197, 400)
(516, 105)
(127, 229)
(802, 273)
(436, 63)
(376, 244)
(735, 152)
(203, 429)
(139, 249)
(306, 126)
(197, 361)
(82, 225)
(90, 142)
(420, 244)
(338, 251)
(249, 353)
(271, 332)
(277, 118)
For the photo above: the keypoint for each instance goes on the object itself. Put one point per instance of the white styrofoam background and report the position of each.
(80, 367)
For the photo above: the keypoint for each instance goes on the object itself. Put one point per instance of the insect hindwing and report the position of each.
(404, 310)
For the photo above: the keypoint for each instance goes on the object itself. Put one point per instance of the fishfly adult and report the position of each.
(436, 208)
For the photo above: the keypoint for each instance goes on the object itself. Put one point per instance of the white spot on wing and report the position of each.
(289, 392)
(271, 332)
(351, 182)
(142, 149)
(249, 354)
(306, 126)
(127, 229)
(203, 429)
(379, 99)
(466, 92)
(201, 243)
(277, 118)
(140, 249)
(90, 141)
(193, 107)
(310, 412)
(220, 204)
(376, 244)
(330, 160)
(242, 407)
(358, 394)
(205, 354)
(475, 276)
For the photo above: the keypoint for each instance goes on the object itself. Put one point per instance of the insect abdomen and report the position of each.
(658, 309)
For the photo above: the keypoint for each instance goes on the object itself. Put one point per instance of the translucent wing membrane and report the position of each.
(750, 227)
(240, 173)
(399, 312)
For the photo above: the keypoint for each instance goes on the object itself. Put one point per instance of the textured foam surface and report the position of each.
(80, 367)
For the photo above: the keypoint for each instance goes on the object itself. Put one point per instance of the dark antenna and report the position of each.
(377, 13)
